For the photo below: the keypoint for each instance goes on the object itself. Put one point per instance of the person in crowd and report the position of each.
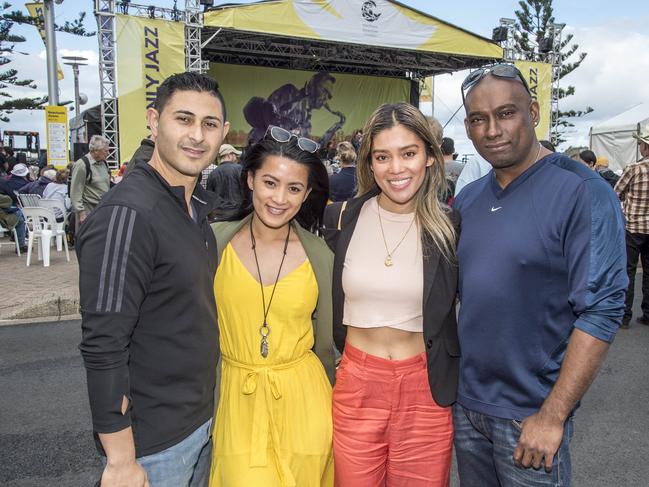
(394, 283)
(588, 157)
(633, 190)
(273, 293)
(342, 185)
(90, 179)
(147, 260)
(437, 130)
(58, 190)
(548, 145)
(12, 218)
(357, 139)
(17, 179)
(142, 155)
(474, 168)
(452, 168)
(11, 158)
(601, 168)
(541, 291)
(47, 175)
(224, 181)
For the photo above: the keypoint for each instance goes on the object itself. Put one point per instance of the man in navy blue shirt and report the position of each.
(542, 285)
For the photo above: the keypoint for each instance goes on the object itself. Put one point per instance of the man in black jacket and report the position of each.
(147, 259)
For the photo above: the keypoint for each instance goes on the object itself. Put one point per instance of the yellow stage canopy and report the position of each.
(377, 34)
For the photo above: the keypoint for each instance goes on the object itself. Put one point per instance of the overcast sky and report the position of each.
(613, 78)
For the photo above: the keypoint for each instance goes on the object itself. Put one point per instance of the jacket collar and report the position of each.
(203, 200)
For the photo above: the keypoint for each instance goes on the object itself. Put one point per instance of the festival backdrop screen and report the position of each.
(148, 51)
(319, 105)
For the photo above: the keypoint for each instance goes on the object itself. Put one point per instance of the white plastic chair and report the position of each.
(28, 200)
(41, 224)
(4, 230)
(55, 205)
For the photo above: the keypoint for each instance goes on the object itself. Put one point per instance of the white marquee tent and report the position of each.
(614, 137)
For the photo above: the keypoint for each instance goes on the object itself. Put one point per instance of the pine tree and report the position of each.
(10, 78)
(533, 21)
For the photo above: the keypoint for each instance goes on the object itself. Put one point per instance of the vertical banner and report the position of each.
(36, 10)
(539, 79)
(56, 126)
(148, 51)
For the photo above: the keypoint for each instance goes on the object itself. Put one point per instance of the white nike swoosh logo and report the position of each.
(495, 209)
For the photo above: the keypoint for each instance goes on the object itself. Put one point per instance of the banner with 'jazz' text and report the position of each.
(539, 79)
(148, 51)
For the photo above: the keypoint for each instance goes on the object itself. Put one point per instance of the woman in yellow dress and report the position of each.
(273, 422)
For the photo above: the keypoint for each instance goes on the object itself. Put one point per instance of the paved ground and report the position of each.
(45, 436)
(38, 291)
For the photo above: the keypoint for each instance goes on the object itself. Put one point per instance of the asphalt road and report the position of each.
(45, 437)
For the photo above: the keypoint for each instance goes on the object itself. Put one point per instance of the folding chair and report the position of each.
(41, 224)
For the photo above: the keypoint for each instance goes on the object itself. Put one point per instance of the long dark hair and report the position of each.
(312, 210)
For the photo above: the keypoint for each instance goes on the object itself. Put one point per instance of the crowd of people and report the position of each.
(279, 320)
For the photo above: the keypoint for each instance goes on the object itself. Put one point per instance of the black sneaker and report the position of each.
(624, 326)
(643, 320)
(23, 249)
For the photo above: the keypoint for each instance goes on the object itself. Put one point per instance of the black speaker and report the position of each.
(499, 34)
(207, 3)
(545, 45)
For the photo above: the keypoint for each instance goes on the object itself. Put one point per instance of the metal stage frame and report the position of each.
(105, 11)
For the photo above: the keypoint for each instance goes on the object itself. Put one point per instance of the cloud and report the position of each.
(613, 78)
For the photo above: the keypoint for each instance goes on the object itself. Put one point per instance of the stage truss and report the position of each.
(105, 11)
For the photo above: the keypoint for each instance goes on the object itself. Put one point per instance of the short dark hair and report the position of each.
(188, 81)
(448, 146)
(548, 145)
(588, 156)
(312, 210)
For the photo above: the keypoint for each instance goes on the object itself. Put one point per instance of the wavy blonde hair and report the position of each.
(346, 152)
(432, 218)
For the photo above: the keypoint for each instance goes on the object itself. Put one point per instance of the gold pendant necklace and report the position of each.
(388, 262)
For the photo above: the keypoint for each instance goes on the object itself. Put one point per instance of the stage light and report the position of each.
(499, 34)
(545, 45)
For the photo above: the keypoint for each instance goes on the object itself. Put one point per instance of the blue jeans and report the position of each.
(20, 229)
(186, 464)
(485, 445)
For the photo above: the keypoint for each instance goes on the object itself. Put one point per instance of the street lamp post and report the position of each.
(75, 62)
(50, 49)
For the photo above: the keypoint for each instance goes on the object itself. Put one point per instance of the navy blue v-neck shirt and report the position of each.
(537, 259)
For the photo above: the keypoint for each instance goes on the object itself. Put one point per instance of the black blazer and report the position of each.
(440, 289)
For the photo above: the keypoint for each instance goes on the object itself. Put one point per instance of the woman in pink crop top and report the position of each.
(394, 286)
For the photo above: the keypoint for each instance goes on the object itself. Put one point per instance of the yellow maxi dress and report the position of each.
(273, 422)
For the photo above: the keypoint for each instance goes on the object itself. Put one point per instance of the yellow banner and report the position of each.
(56, 127)
(539, 79)
(148, 52)
(36, 10)
(320, 105)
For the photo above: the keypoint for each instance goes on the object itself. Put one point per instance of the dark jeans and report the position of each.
(485, 445)
(637, 245)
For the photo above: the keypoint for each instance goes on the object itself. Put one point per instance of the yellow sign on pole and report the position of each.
(539, 79)
(56, 125)
(36, 10)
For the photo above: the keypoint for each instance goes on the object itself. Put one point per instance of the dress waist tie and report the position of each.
(263, 381)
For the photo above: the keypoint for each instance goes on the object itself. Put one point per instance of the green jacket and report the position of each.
(321, 259)
(10, 220)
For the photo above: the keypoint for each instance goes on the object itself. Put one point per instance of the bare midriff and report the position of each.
(385, 342)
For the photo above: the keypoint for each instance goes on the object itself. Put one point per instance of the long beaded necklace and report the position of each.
(264, 329)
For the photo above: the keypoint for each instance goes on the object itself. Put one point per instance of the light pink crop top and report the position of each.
(376, 295)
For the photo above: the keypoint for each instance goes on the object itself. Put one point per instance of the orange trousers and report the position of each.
(388, 430)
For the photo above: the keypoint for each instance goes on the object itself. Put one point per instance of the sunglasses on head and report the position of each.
(282, 135)
(507, 71)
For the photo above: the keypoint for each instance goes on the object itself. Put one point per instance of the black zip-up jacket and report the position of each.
(148, 313)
